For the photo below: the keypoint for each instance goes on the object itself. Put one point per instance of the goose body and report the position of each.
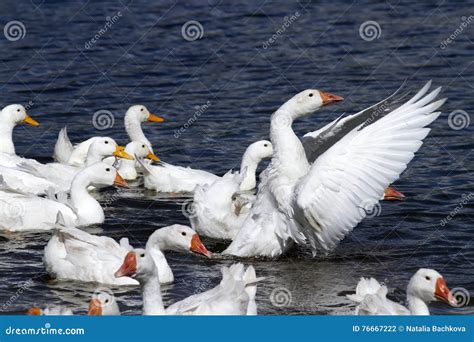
(319, 201)
(29, 212)
(233, 296)
(77, 255)
(425, 286)
(177, 179)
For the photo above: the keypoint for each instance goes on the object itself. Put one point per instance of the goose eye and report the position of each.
(18, 110)
(107, 169)
(183, 233)
(266, 145)
(141, 110)
(106, 142)
(142, 255)
(427, 278)
(311, 95)
(106, 301)
(143, 146)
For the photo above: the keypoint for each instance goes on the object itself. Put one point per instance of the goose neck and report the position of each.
(134, 130)
(152, 300)
(6, 133)
(417, 306)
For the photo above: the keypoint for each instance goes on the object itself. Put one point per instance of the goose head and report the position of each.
(105, 147)
(308, 101)
(141, 150)
(178, 238)
(259, 150)
(103, 304)
(138, 264)
(16, 114)
(102, 174)
(428, 285)
(140, 113)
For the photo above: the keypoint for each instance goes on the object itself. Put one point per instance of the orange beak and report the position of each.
(28, 120)
(129, 266)
(34, 311)
(95, 308)
(119, 181)
(151, 156)
(390, 194)
(154, 118)
(198, 247)
(120, 153)
(443, 294)
(330, 98)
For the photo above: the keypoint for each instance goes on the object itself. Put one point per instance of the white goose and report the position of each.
(66, 153)
(128, 168)
(62, 174)
(355, 159)
(177, 179)
(28, 212)
(10, 116)
(425, 286)
(220, 208)
(77, 255)
(103, 303)
(235, 295)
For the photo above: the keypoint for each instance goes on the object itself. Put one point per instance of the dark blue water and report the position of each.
(143, 59)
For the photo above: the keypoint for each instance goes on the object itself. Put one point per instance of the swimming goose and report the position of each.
(62, 174)
(128, 168)
(10, 116)
(353, 161)
(220, 208)
(103, 303)
(77, 255)
(425, 286)
(233, 296)
(20, 211)
(177, 179)
(66, 153)
(50, 311)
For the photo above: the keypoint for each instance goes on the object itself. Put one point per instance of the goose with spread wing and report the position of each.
(353, 160)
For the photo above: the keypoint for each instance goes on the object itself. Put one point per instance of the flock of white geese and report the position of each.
(314, 191)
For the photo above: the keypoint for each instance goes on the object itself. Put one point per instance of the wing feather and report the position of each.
(347, 181)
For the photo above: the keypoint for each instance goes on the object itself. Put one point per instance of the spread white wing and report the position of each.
(349, 178)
